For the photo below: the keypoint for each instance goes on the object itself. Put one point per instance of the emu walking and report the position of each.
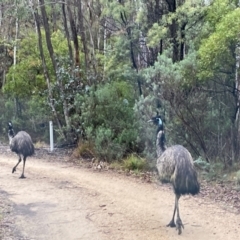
(175, 165)
(21, 144)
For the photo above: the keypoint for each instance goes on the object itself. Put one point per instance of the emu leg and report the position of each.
(179, 225)
(172, 222)
(15, 167)
(24, 160)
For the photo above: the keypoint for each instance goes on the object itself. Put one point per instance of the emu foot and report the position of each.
(22, 176)
(13, 170)
(171, 224)
(179, 226)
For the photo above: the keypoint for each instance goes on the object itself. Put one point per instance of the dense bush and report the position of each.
(107, 118)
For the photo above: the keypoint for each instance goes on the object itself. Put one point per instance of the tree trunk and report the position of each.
(66, 31)
(48, 34)
(74, 35)
(82, 32)
(52, 56)
(54, 16)
(172, 6)
(17, 104)
(236, 133)
(182, 42)
(45, 70)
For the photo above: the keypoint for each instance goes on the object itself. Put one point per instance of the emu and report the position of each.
(175, 165)
(21, 144)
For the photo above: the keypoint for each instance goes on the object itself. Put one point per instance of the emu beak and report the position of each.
(150, 120)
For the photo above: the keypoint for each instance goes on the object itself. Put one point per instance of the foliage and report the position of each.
(217, 11)
(187, 13)
(202, 164)
(210, 171)
(134, 162)
(117, 62)
(198, 119)
(26, 77)
(220, 57)
(108, 119)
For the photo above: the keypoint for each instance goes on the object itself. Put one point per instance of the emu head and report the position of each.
(11, 133)
(157, 120)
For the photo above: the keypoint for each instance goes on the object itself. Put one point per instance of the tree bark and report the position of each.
(66, 31)
(52, 56)
(82, 32)
(236, 127)
(48, 34)
(45, 70)
(74, 35)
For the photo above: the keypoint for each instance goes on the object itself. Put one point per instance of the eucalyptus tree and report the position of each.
(122, 33)
(15, 21)
(219, 63)
(197, 91)
(154, 44)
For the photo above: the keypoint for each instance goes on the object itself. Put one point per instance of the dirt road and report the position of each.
(60, 201)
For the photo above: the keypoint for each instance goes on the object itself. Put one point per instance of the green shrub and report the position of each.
(133, 162)
(210, 171)
(107, 117)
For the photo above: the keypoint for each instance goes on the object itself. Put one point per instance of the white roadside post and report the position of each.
(51, 135)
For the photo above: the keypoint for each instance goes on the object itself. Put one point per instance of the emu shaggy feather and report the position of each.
(21, 144)
(175, 165)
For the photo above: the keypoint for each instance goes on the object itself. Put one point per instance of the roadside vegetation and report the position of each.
(101, 69)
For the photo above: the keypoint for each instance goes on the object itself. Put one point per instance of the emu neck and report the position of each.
(160, 143)
(10, 138)
(11, 135)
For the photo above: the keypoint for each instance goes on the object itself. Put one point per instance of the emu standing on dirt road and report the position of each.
(175, 165)
(21, 143)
